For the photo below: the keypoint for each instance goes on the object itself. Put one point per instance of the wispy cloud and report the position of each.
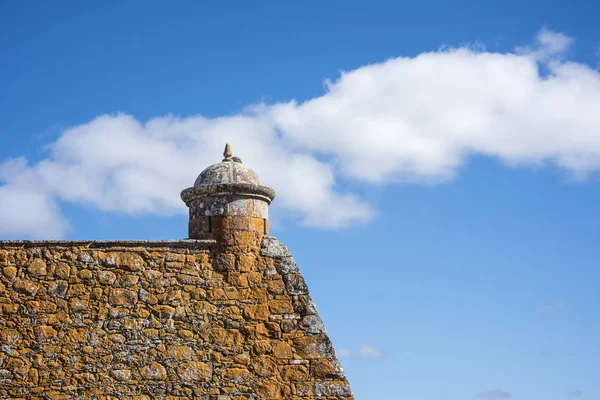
(494, 395)
(551, 307)
(548, 45)
(365, 351)
(344, 353)
(368, 351)
(406, 119)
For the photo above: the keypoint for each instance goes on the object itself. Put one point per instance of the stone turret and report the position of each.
(229, 317)
(227, 196)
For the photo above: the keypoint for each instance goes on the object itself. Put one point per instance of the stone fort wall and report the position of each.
(174, 320)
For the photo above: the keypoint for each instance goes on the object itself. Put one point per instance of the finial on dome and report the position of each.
(227, 152)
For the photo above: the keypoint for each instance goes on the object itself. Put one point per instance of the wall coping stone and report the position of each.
(110, 243)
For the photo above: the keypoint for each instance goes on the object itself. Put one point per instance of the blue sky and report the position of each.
(436, 165)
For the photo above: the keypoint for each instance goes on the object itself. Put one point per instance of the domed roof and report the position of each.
(229, 171)
(226, 182)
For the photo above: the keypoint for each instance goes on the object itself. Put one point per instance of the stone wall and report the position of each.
(172, 320)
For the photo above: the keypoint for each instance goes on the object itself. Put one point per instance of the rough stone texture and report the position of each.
(225, 319)
(245, 203)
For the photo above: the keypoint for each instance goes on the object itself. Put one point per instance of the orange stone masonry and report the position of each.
(224, 315)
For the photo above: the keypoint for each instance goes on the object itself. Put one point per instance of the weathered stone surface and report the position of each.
(281, 306)
(294, 373)
(154, 371)
(295, 284)
(179, 352)
(121, 297)
(337, 389)
(314, 346)
(326, 369)
(26, 286)
(272, 247)
(282, 350)
(62, 270)
(312, 324)
(287, 265)
(58, 288)
(258, 312)
(121, 374)
(44, 332)
(10, 271)
(150, 320)
(195, 371)
(37, 267)
(106, 277)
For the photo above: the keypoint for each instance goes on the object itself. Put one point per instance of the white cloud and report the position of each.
(548, 44)
(494, 395)
(418, 119)
(366, 351)
(117, 164)
(406, 119)
(26, 209)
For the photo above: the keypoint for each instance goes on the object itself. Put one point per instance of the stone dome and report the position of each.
(229, 171)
